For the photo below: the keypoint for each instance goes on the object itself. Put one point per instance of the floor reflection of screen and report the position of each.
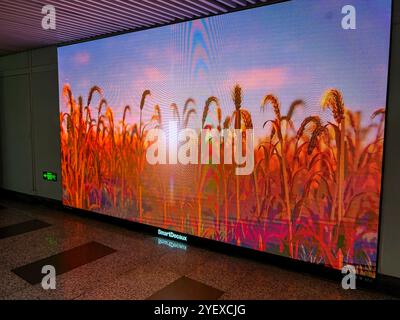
(262, 128)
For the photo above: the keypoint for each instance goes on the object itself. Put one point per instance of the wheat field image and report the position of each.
(318, 121)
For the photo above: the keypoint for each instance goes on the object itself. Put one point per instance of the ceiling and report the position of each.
(21, 20)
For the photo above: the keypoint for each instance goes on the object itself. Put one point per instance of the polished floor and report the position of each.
(97, 260)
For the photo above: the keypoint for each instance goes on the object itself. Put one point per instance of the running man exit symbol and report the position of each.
(49, 176)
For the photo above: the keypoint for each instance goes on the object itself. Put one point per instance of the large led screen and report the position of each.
(262, 128)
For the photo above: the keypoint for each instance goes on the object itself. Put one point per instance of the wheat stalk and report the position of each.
(333, 100)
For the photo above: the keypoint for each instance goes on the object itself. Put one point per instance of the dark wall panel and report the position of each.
(15, 136)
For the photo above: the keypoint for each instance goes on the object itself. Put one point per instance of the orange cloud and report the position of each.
(151, 78)
(153, 74)
(259, 78)
(82, 57)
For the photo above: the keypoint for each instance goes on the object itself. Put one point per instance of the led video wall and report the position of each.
(262, 128)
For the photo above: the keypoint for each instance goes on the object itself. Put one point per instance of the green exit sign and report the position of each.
(49, 176)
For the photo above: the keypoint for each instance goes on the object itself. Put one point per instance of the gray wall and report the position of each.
(29, 130)
(29, 136)
(389, 251)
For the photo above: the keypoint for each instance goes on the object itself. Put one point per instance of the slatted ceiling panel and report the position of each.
(196, 11)
(228, 3)
(20, 20)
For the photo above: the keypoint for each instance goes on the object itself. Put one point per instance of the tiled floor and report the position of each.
(142, 266)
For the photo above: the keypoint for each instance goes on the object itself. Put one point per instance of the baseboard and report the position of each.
(388, 284)
(29, 198)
